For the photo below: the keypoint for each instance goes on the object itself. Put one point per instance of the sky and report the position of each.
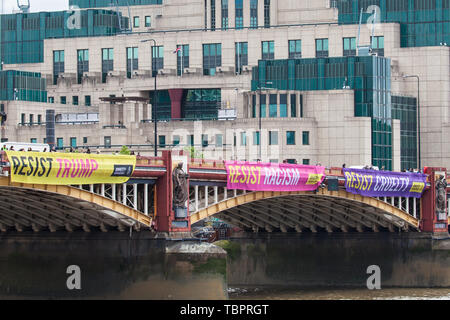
(36, 5)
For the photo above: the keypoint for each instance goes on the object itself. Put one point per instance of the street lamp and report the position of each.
(155, 101)
(418, 114)
(260, 88)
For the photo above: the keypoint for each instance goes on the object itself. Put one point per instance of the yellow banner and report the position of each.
(69, 168)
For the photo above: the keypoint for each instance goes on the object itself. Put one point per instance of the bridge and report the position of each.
(144, 202)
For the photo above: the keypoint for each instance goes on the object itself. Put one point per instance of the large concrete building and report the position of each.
(236, 79)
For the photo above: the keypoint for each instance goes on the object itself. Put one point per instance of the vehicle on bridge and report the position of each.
(36, 147)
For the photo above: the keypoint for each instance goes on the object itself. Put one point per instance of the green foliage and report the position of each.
(125, 151)
(233, 249)
(193, 153)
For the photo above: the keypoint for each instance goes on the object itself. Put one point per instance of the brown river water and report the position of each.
(338, 294)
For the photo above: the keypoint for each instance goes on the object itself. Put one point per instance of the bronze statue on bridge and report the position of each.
(441, 196)
(180, 187)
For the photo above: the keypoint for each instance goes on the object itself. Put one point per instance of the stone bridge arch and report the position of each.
(329, 211)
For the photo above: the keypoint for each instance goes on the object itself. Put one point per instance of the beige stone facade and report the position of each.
(336, 136)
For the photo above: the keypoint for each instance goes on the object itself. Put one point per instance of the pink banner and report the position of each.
(273, 177)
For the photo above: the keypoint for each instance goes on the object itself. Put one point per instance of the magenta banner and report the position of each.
(372, 183)
(273, 177)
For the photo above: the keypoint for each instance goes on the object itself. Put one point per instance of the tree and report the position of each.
(125, 151)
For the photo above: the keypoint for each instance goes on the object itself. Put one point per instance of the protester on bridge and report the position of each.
(30, 150)
(4, 148)
(45, 150)
(12, 148)
(88, 151)
(98, 151)
(343, 166)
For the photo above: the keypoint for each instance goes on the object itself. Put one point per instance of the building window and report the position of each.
(83, 63)
(51, 99)
(157, 59)
(132, 61)
(87, 101)
(239, 14)
(148, 21)
(268, 50)
(321, 48)
(283, 106)
(176, 140)
(301, 106)
(22, 119)
(73, 142)
(213, 15)
(107, 142)
(31, 119)
(58, 64)
(63, 100)
(243, 139)
(205, 142)
(254, 106)
(273, 106)
(191, 139)
(378, 45)
(256, 138)
(349, 46)
(305, 138)
(219, 140)
(266, 13)
(39, 119)
(212, 58)
(241, 56)
(33, 140)
(295, 49)
(253, 14)
(60, 143)
(85, 140)
(306, 162)
(273, 138)
(162, 141)
(107, 62)
(293, 105)
(263, 106)
(182, 58)
(75, 100)
(136, 22)
(291, 161)
(290, 138)
(225, 14)
(425, 4)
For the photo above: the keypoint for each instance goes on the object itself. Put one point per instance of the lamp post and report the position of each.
(260, 88)
(418, 115)
(155, 100)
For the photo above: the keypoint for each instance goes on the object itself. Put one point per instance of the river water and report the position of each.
(338, 294)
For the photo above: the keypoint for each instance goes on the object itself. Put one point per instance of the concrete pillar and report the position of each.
(176, 96)
(146, 199)
(164, 215)
(231, 13)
